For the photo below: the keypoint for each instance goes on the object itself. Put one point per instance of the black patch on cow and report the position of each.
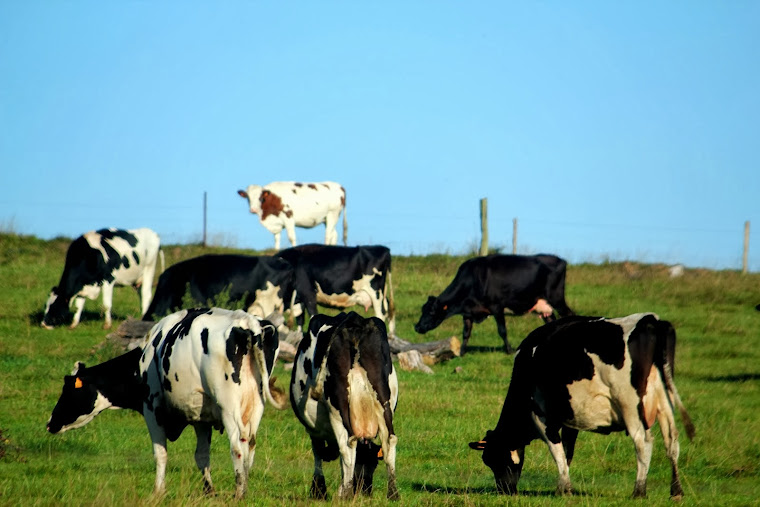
(269, 343)
(308, 366)
(125, 262)
(167, 385)
(226, 377)
(642, 345)
(237, 349)
(204, 340)
(157, 338)
(178, 331)
(109, 234)
(136, 257)
(302, 385)
(176, 377)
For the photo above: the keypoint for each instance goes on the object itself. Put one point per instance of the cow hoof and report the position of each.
(107, 326)
(45, 326)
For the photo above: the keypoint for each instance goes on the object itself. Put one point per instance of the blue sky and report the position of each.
(610, 130)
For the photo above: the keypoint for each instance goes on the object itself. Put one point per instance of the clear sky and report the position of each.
(610, 130)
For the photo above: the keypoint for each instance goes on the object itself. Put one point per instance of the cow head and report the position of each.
(433, 313)
(253, 194)
(79, 403)
(56, 310)
(506, 464)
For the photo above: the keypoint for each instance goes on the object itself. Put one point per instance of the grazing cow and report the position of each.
(341, 277)
(102, 259)
(289, 204)
(589, 374)
(263, 284)
(490, 285)
(209, 368)
(344, 391)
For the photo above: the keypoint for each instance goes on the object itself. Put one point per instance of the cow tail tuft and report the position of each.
(272, 393)
(665, 362)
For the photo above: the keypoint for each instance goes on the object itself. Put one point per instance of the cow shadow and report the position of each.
(35, 318)
(742, 377)
(486, 490)
(482, 349)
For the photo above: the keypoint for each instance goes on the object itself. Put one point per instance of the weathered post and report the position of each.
(746, 247)
(204, 219)
(484, 226)
(514, 236)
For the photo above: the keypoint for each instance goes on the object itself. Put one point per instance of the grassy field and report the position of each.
(110, 461)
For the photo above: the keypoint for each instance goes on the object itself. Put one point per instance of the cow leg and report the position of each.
(557, 450)
(642, 440)
(331, 235)
(466, 330)
(569, 436)
(158, 437)
(318, 485)
(501, 327)
(202, 447)
(107, 302)
(389, 455)
(238, 451)
(276, 240)
(347, 449)
(290, 229)
(79, 305)
(670, 436)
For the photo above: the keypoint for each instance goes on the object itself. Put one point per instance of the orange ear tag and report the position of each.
(445, 307)
(77, 383)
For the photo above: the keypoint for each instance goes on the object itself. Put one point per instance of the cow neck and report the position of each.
(118, 379)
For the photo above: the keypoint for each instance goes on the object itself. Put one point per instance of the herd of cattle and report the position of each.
(211, 368)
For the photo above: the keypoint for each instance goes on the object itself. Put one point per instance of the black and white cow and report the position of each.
(344, 391)
(99, 260)
(209, 368)
(263, 284)
(490, 285)
(341, 277)
(290, 204)
(589, 374)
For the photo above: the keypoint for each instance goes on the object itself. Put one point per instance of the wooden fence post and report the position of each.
(746, 247)
(204, 220)
(514, 236)
(484, 226)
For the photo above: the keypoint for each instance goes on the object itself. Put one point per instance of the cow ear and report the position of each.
(478, 446)
(243, 193)
(79, 365)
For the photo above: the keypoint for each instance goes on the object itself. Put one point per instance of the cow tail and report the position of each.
(272, 394)
(665, 363)
(163, 260)
(391, 304)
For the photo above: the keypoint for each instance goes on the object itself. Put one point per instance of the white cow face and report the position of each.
(253, 194)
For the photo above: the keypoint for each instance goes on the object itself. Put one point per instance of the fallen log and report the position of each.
(431, 352)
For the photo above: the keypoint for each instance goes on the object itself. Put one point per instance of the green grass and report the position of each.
(110, 461)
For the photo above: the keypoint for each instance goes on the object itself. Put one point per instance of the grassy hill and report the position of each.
(110, 461)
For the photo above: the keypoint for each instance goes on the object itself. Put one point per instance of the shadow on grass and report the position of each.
(35, 318)
(443, 490)
(742, 377)
(480, 349)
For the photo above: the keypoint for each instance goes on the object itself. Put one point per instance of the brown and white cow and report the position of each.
(288, 204)
(589, 374)
(344, 391)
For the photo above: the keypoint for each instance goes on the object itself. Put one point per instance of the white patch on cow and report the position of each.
(267, 301)
(362, 294)
(88, 291)
(515, 457)
(543, 308)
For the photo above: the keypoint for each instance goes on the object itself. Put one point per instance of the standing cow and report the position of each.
(344, 391)
(209, 368)
(490, 285)
(289, 204)
(589, 374)
(263, 284)
(341, 277)
(102, 259)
